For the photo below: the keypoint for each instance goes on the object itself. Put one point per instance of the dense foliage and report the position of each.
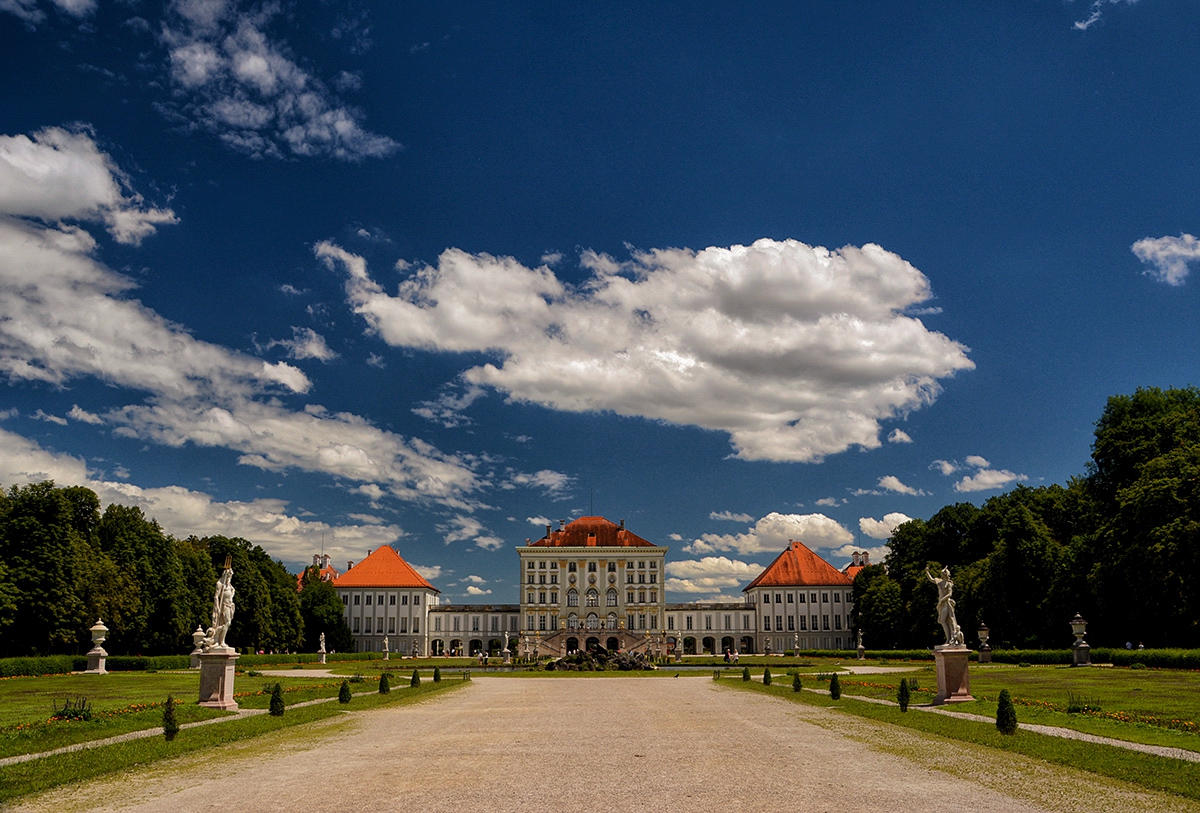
(64, 563)
(1119, 544)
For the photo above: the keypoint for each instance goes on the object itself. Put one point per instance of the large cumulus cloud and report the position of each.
(795, 351)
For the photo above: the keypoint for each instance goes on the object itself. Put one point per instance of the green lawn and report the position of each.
(1145, 770)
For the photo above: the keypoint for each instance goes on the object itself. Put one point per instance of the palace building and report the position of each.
(592, 582)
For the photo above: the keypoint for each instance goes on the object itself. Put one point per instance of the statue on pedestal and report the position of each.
(945, 608)
(222, 612)
(321, 645)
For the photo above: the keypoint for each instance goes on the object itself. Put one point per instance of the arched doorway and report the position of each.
(572, 644)
(476, 647)
(456, 648)
(612, 645)
(726, 644)
(746, 647)
(689, 646)
(709, 645)
(437, 647)
(494, 646)
(592, 643)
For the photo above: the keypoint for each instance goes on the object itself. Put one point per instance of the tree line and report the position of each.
(1119, 544)
(64, 563)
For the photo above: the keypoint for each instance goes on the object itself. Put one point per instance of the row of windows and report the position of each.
(708, 622)
(592, 597)
(804, 622)
(812, 598)
(378, 597)
(591, 566)
(376, 628)
(497, 623)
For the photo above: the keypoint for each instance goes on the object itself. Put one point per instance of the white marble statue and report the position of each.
(321, 644)
(385, 644)
(222, 611)
(945, 607)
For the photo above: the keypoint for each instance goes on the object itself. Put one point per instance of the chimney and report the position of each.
(866, 560)
(622, 525)
(316, 558)
(562, 524)
(349, 564)
(854, 560)
(548, 527)
(325, 560)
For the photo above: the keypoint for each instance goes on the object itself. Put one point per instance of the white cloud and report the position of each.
(1169, 258)
(60, 175)
(944, 466)
(428, 572)
(773, 532)
(977, 461)
(549, 481)
(876, 554)
(472, 590)
(882, 528)
(729, 516)
(831, 502)
(83, 416)
(473, 579)
(796, 352)
(305, 343)
(28, 11)
(447, 409)
(45, 416)
(892, 483)
(987, 480)
(469, 529)
(899, 436)
(1096, 11)
(233, 80)
(183, 512)
(710, 575)
(541, 521)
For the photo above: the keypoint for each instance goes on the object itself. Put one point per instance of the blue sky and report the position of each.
(349, 274)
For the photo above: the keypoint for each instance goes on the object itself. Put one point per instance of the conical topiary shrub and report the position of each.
(903, 694)
(766, 677)
(1006, 714)
(344, 692)
(170, 724)
(276, 708)
(385, 685)
(416, 679)
(437, 674)
(796, 682)
(835, 687)
(746, 673)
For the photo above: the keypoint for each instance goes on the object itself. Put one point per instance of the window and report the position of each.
(356, 601)
(541, 565)
(779, 622)
(745, 622)
(837, 598)
(803, 623)
(554, 578)
(791, 623)
(653, 596)
(356, 625)
(629, 578)
(541, 578)
(654, 565)
(529, 624)
(767, 623)
(629, 597)
(541, 622)
(391, 626)
(345, 600)
(654, 621)
(379, 601)
(474, 623)
(553, 596)
(789, 598)
(416, 625)
(392, 599)
(437, 624)
(824, 622)
(641, 565)
(529, 579)
(629, 565)
(837, 622)
(670, 622)
(530, 565)
(512, 624)
(495, 623)
(612, 567)
(766, 598)
(542, 597)
(591, 567)
(708, 622)
(457, 621)
(688, 619)
(570, 567)
(778, 598)
(800, 597)
(654, 578)
(554, 565)
(529, 598)
(416, 600)
(641, 621)
(814, 622)
(812, 598)
(368, 600)
(825, 598)
(572, 598)
(593, 598)
(641, 578)
(611, 598)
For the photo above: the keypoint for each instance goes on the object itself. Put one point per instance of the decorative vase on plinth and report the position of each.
(96, 655)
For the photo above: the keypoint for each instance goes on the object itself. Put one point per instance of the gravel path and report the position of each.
(515, 744)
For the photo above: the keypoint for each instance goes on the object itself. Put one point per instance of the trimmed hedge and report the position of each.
(48, 665)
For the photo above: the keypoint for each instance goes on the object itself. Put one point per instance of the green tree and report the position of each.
(878, 606)
(322, 611)
(1006, 714)
(766, 677)
(835, 687)
(277, 706)
(416, 678)
(796, 682)
(169, 722)
(903, 694)
(344, 692)
(385, 684)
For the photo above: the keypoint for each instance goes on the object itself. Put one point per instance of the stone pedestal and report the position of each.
(954, 682)
(216, 679)
(96, 656)
(862, 652)
(507, 657)
(322, 657)
(985, 653)
(195, 658)
(1081, 654)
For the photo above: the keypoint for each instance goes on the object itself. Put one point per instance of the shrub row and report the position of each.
(48, 665)
(63, 664)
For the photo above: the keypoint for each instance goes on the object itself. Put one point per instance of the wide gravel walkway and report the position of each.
(607, 744)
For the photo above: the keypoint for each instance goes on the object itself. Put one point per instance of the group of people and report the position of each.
(731, 656)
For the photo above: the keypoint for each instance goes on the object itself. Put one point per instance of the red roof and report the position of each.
(327, 574)
(592, 532)
(852, 570)
(383, 567)
(798, 567)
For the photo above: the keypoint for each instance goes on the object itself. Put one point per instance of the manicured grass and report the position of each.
(1145, 770)
(1155, 707)
(43, 774)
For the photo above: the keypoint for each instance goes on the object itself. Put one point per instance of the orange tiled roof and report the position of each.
(852, 570)
(591, 532)
(383, 567)
(327, 574)
(798, 566)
